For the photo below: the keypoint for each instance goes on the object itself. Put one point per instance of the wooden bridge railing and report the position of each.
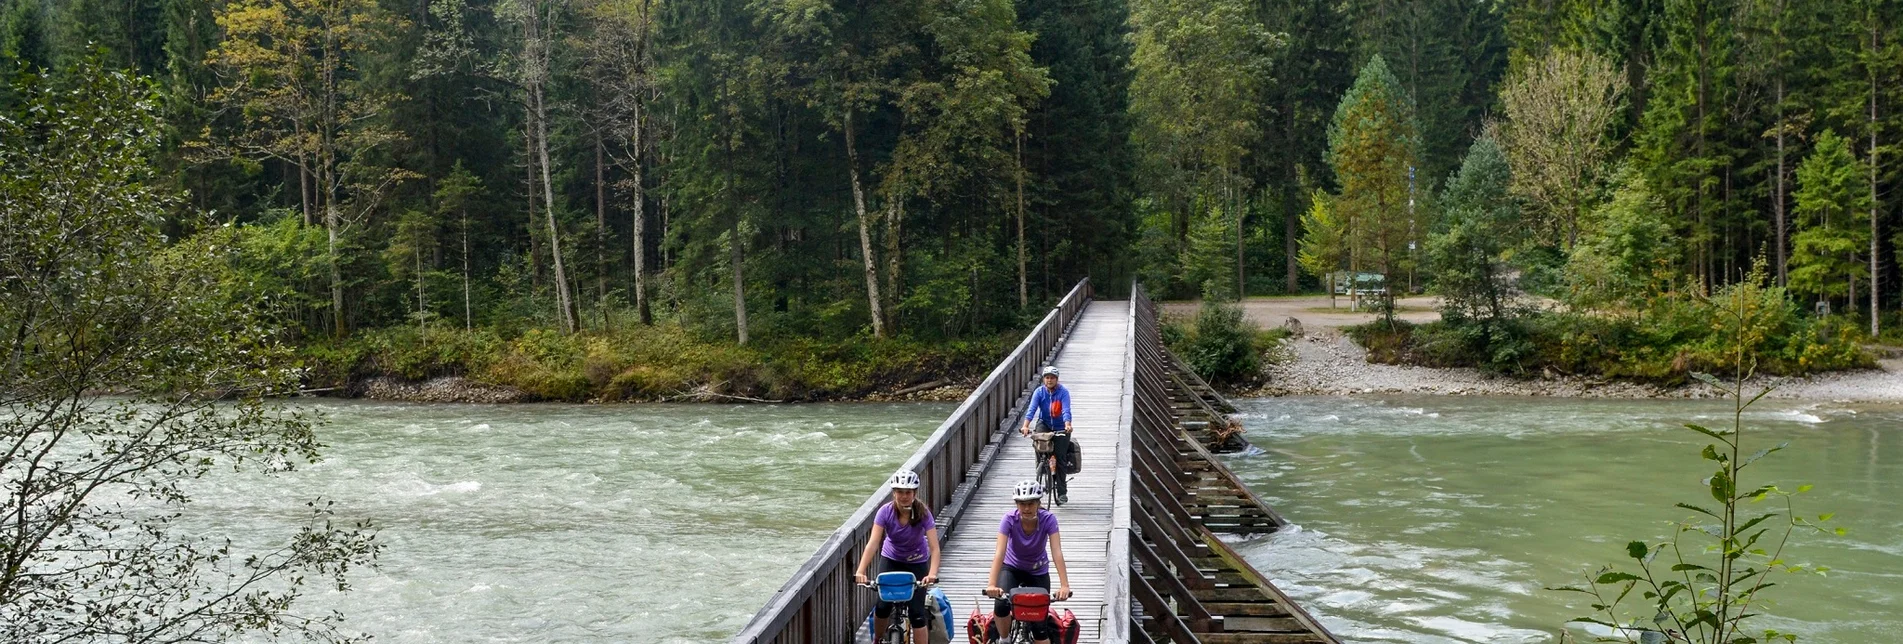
(1187, 586)
(820, 603)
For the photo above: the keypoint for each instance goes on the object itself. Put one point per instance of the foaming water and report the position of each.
(568, 523)
(1442, 519)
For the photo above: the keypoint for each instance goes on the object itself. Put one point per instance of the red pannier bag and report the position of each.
(979, 623)
(1030, 605)
(1067, 627)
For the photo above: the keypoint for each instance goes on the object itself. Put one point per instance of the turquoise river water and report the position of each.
(1423, 520)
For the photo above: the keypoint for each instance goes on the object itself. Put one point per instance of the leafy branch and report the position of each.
(1722, 558)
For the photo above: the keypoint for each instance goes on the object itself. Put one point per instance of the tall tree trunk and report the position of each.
(331, 226)
(468, 323)
(1242, 289)
(735, 253)
(1875, 256)
(1291, 248)
(894, 212)
(640, 224)
(562, 297)
(601, 234)
(1024, 293)
(327, 155)
(865, 233)
(1778, 189)
(422, 299)
(535, 237)
(736, 257)
(304, 187)
(536, 53)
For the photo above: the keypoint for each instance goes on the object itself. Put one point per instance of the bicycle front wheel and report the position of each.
(1047, 479)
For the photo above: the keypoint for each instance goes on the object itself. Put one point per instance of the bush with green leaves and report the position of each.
(1664, 339)
(1707, 582)
(1220, 344)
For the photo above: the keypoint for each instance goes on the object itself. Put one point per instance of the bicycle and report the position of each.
(1048, 465)
(897, 588)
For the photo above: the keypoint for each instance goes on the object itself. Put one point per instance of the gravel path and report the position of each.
(1327, 363)
(1313, 311)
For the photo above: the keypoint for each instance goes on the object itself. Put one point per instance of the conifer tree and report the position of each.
(1832, 218)
(1466, 251)
(1682, 146)
(1373, 143)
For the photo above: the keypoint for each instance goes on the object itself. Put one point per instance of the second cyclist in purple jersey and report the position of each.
(1022, 560)
(905, 536)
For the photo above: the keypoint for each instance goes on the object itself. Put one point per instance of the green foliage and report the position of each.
(723, 123)
(1833, 201)
(1447, 56)
(1626, 256)
(1373, 145)
(1676, 335)
(1209, 260)
(1221, 345)
(97, 300)
(1706, 583)
(1466, 254)
(645, 363)
(1200, 67)
(1325, 239)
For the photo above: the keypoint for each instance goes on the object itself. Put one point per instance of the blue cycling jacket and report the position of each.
(1049, 407)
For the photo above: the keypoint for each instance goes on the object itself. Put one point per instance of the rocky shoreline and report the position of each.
(1328, 363)
(1323, 363)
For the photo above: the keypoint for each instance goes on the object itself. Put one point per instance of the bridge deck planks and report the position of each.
(1092, 363)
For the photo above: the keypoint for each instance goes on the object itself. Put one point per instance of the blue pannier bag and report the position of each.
(944, 609)
(896, 586)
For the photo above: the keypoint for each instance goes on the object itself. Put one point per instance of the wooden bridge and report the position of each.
(1141, 528)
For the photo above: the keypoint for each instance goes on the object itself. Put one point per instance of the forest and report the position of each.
(593, 189)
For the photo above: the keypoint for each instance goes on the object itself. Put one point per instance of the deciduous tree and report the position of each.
(1559, 111)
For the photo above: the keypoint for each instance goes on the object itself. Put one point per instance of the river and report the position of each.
(1442, 519)
(1421, 520)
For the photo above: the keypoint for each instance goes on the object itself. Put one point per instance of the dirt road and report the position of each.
(1313, 311)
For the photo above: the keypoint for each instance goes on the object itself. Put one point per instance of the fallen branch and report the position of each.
(922, 387)
(706, 392)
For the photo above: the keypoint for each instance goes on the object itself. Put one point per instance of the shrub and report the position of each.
(1220, 345)
(1670, 337)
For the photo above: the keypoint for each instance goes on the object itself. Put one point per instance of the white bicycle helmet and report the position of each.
(1028, 491)
(904, 480)
(1050, 370)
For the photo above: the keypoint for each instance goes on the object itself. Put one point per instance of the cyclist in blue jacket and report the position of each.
(1050, 408)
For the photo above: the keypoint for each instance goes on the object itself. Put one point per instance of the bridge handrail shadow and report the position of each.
(819, 603)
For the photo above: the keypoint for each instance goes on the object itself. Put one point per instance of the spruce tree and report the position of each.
(1832, 221)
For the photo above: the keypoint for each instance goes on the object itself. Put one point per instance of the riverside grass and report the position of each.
(646, 363)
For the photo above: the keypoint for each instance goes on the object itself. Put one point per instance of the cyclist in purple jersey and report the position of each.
(1021, 560)
(905, 535)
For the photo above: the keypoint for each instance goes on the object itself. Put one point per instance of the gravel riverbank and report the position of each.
(1328, 363)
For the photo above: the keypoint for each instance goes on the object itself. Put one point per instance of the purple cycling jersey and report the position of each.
(905, 542)
(1027, 552)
